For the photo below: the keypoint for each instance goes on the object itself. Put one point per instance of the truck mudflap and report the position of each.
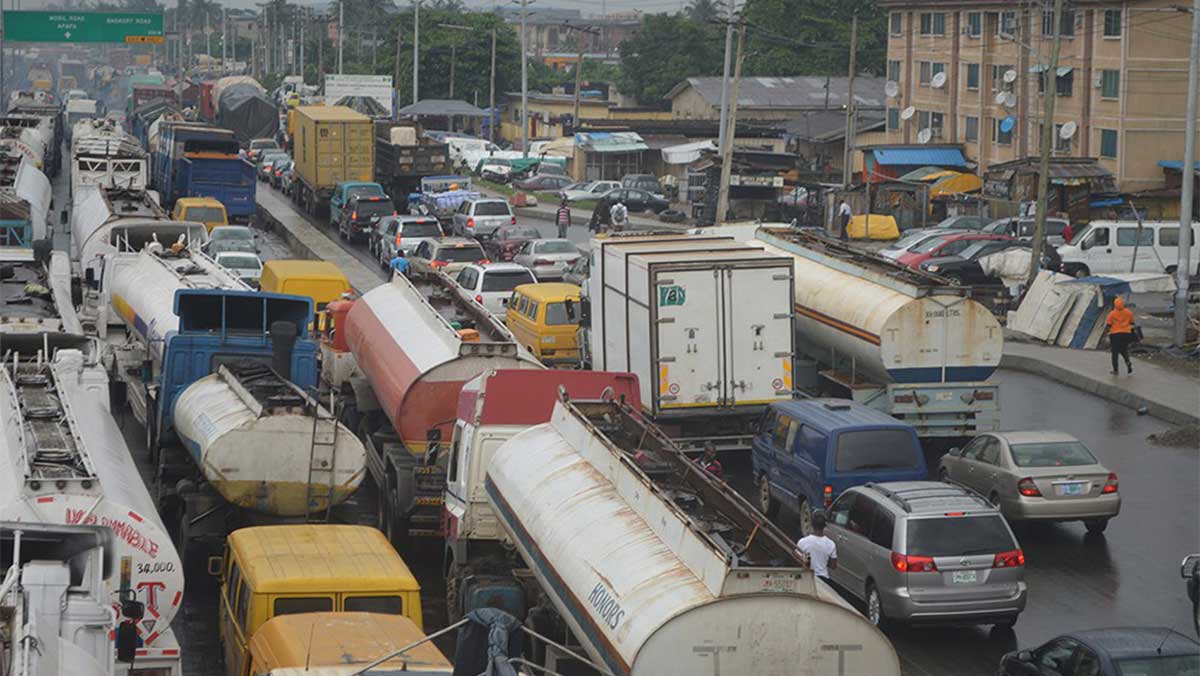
(936, 410)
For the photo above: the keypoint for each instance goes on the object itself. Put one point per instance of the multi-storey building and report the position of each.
(975, 72)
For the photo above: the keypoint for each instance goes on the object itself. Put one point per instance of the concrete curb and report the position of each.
(1100, 388)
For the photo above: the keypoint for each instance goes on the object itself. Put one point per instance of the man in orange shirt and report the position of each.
(1119, 326)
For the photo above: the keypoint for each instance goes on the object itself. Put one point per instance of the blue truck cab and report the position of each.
(345, 191)
(220, 327)
(194, 159)
(806, 452)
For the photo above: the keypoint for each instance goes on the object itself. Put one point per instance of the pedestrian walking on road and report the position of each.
(820, 550)
(563, 218)
(1120, 327)
(843, 220)
(400, 263)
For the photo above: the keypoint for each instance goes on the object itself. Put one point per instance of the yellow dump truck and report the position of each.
(330, 144)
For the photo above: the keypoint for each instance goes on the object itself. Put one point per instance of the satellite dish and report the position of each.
(938, 81)
(1010, 100)
(891, 89)
(1000, 96)
(924, 135)
(1007, 124)
(907, 113)
(1068, 130)
(1010, 76)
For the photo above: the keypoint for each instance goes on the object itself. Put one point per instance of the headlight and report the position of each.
(548, 340)
(933, 268)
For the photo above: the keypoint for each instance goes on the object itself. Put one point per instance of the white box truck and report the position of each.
(704, 322)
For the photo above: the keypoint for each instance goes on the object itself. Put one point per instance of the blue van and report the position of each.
(806, 452)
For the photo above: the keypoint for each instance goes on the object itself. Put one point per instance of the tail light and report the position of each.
(828, 495)
(470, 222)
(397, 240)
(479, 298)
(1013, 559)
(395, 213)
(1027, 488)
(541, 261)
(484, 261)
(514, 220)
(438, 264)
(913, 564)
(1110, 486)
(354, 215)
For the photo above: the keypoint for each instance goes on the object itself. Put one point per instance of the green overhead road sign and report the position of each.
(124, 27)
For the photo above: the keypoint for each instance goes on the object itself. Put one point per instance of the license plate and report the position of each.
(1070, 489)
(963, 577)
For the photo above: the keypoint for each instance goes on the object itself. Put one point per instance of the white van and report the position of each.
(1107, 247)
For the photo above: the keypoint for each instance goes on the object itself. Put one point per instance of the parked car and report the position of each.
(806, 452)
(492, 284)
(361, 215)
(277, 171)
(450, 254)
(1036, 476)
(577, 192)
(1107, 247)
(926, 552)
(503, 244)
(944, 245)
(231, 238)
(482, 217)
(542, 183)
(1022, 228)
(396, 233)
(579, 271)
(646, 182)
(949, 223)
(911, 239)
(266, 163)
(496, 169)
(260, 145)
(548, 258)
(1117, 651)
(246, 265)
(551, 168)
(965, 268)
(635, 200)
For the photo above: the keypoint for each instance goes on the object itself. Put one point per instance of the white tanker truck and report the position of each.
(103, 154)
(657, 567)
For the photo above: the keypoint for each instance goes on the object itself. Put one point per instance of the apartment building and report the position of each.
(976, 73)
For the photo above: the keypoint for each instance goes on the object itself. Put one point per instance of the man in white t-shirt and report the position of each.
(820, 550)
(843, 219)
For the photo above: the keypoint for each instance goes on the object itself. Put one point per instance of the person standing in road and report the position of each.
(820, 550)
(843, 220)
(563, 219)
(400, 263)
(1120, 326)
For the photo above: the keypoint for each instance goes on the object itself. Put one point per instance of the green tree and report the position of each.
(812, 37)
(703, 11)
(668, 49)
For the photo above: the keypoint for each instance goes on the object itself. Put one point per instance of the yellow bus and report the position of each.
(269, 571)
(333, 644)
(544, 317)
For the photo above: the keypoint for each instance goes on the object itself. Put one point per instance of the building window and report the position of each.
(926, 73)
(937, 122)
(1066, 26)
(1064, 85)
(998, 77)
(1001, 137)
(893, 119)
(971, 129)
(974, 24)
(1061, 145)
(933, 23)
(1112, 23)
(893, 73)
(1006, 23)
(1110, 84)
(896, 22)
(922, 119)
(935, 68)
(972, 76)
(1108, 143)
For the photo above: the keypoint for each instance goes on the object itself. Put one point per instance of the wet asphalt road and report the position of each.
(1128, 576)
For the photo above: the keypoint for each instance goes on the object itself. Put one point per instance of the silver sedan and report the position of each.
(1036, 476)
(549, 259)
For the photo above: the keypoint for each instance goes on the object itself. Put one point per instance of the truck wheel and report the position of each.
(806, 515)
(453, 591)
(767, 504)
(151, 436)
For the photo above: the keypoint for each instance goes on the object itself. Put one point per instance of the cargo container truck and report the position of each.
(333, 144)
(200, 160)
(241, 104)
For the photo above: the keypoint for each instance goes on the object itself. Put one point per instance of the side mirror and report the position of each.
(954, 451)
(1025, 656)
(62, 217)
(214, 566)
(89, 279)
(126, 640)
(585, 311)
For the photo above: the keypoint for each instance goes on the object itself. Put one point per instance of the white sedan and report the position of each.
(245, 265)
(491, 284)
(578, 192)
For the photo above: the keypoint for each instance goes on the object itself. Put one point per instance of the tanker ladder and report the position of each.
(322, 439)
(51, 443)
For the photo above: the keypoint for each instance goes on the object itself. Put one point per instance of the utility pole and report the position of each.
(1050, 78)
(727, 150)
(453, 54)
(396, 76)
(849, 139)
(524, 84)
(1184, 265)
(492, 93)
(341, 31)
(416, 49)
(725, 75)
(303, 20)
(322, 33)
(580, 31)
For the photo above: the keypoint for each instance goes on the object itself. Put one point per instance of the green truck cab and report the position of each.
(345, 192)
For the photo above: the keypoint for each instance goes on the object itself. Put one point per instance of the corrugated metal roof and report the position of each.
(938, 157)
(1088, 169)
(789, 92)
(442, 107)
(610, 142)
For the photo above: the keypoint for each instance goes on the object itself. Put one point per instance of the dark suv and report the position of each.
(361, 215)
(647, 182)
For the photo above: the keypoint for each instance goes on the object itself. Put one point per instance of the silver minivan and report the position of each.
(926, 552)
(482, 217)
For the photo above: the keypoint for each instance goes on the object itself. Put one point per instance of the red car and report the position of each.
(940, 247)
(503, 244)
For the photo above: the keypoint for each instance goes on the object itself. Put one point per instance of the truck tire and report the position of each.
(767, 504)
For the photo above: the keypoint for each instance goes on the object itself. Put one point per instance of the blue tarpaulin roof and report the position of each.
(938, 157)
(1175, 164)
